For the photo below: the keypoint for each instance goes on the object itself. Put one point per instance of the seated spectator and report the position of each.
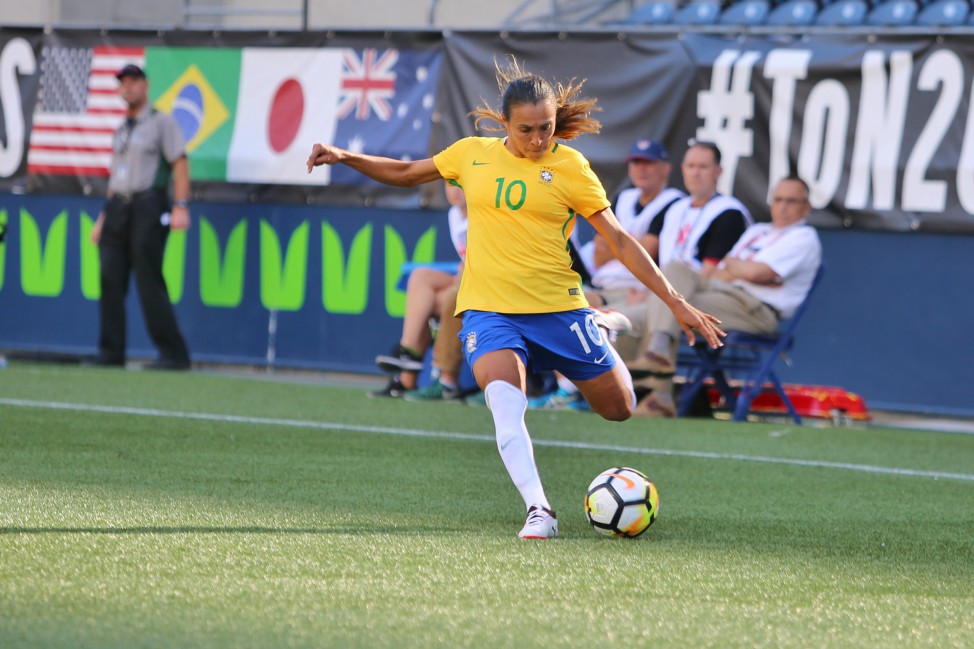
(763, 279)
(429, 294)
(697, 230)
(640, 210)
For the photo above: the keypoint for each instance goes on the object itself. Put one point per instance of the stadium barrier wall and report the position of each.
(262, 284)
(316, 287)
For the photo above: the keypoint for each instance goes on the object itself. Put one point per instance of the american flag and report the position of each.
(78, 109)
(367, 84)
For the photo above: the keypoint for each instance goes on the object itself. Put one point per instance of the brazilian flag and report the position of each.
(198, 87)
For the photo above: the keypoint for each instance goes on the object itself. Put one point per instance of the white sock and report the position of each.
(507, 405)
(626, 376)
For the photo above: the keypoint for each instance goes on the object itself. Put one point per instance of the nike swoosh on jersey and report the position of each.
(599, 361)
(478, 164)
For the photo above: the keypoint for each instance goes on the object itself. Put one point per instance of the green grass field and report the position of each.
(140, 509)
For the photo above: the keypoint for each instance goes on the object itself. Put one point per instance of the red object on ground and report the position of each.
(814, 401)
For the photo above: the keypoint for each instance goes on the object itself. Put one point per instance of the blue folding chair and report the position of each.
(893, 13)
(944, 13)
(793, 13)
(843, 13)
(652, 13)
(752, 356)
(746, 13)
(698, 12)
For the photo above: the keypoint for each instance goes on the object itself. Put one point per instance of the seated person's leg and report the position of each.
(447, 354)
(735, 309)
(447, 350)
(422, 303)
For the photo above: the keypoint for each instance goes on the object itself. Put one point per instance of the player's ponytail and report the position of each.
(517, 87)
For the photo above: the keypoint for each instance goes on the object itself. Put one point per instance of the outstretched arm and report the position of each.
(384, 170)
(627, 250)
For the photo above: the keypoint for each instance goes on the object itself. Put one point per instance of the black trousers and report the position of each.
(133, 241)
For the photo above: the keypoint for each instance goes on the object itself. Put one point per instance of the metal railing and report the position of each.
(193, 10)
(563, 12)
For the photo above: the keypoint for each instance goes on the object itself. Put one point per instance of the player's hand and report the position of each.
(690, 317)
(323, 155)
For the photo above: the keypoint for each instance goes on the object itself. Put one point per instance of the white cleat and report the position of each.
(541, 524)
(612, 322)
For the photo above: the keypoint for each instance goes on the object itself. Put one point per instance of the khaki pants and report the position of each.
(732, 305)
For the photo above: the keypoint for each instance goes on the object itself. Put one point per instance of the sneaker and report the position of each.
(435, 391)
(393, 390)
(541, 524)
(612, 322)
(478, 399)
(580, 405)
(560, 399)
(401, 360)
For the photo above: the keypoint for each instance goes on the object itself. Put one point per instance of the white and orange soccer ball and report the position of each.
(621, 502)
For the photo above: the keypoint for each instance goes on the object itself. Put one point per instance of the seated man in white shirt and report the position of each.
(763, 279)
(697, 230)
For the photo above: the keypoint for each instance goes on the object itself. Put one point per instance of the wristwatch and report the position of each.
(181, 203)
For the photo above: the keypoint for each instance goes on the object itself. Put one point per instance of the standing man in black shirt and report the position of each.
(147, 151)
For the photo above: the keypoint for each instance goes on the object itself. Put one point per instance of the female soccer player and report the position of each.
(520, 301)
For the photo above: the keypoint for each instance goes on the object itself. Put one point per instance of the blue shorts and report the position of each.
(567, 341)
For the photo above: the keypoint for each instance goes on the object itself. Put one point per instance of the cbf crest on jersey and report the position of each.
(547, 175)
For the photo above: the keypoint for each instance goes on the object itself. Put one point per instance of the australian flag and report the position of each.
(386, 103)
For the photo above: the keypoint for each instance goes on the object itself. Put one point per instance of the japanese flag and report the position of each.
(287, 102)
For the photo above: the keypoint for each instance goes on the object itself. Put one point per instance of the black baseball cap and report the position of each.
(130, 70)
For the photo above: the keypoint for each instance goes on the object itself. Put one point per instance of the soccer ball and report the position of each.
(621, 502)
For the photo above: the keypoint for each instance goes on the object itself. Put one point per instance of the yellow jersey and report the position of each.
(520, 213)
